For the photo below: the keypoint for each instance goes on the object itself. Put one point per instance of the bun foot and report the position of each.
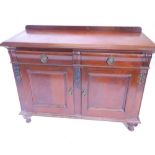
(27, 118)
(131, 126)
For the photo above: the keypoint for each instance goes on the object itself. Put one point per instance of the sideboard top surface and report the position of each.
(82, 37)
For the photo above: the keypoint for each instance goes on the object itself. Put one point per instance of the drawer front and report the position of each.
(44, 57)
(114, 59)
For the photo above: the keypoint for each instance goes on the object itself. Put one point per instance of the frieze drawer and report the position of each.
(110, 59)
(41, 57)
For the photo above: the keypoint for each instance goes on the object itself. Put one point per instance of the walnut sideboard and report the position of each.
(81, 71)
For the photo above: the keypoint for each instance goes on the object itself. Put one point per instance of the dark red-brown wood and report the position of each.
(110, 93)
(83, 72)
(84, 37)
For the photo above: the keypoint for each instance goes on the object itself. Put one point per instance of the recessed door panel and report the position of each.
(45, 87)
(50, 89)
(108, 93)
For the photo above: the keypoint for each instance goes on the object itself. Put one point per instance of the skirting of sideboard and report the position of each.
(133, 120)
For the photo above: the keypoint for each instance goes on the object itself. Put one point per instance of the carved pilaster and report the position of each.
(15, 65)
(12, 53)
(77, 81)
(77, 76)
(141, 79)
(77, 70)
(16, 71)
(146, 59)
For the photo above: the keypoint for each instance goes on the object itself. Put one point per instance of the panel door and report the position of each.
(47, 89)
(111, 93)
